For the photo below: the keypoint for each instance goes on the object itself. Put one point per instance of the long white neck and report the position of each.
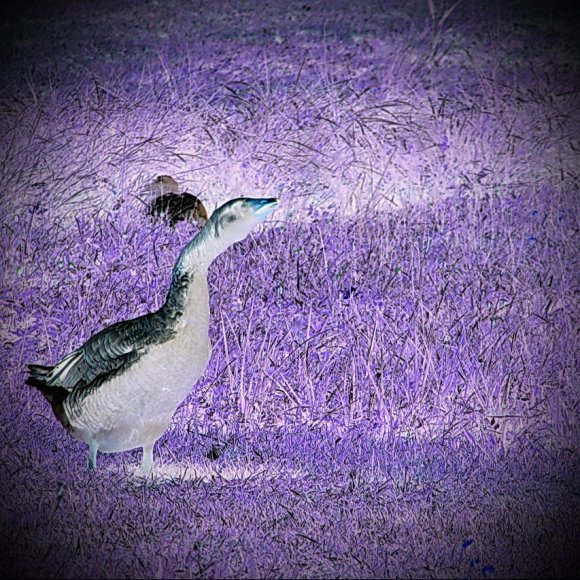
(202, 250)
(188, 297)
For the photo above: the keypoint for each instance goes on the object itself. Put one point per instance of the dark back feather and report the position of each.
(178, 207)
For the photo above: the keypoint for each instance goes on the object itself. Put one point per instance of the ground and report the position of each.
(393, 387)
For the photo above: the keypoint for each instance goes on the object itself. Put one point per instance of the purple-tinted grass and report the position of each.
(393, 387)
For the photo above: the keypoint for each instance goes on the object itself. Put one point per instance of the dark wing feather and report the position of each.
(104, 354)
(178, 207)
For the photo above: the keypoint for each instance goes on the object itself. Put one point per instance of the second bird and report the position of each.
(172, 205)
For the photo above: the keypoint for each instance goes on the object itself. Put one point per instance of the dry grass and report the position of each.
(393, 388)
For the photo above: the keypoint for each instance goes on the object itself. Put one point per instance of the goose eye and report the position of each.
(223, 221)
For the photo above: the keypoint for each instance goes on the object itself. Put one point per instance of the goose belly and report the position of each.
(135, 407)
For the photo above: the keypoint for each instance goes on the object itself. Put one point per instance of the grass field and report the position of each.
(393, 390)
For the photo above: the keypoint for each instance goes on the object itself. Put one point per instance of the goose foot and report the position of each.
(147, 460)
(93, 448)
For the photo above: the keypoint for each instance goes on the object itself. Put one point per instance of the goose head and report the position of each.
(235, 219)
(228, 224)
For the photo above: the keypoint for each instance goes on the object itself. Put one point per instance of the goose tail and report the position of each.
(37, 378)
(38, 375)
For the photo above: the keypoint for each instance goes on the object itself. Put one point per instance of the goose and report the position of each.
(120, 389)
(175, 206)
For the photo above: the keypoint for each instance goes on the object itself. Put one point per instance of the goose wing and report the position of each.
(109, 351)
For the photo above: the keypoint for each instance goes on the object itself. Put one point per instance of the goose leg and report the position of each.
(147, 460)
(93, 448)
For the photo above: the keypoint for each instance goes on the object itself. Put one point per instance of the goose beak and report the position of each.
(263, 207)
